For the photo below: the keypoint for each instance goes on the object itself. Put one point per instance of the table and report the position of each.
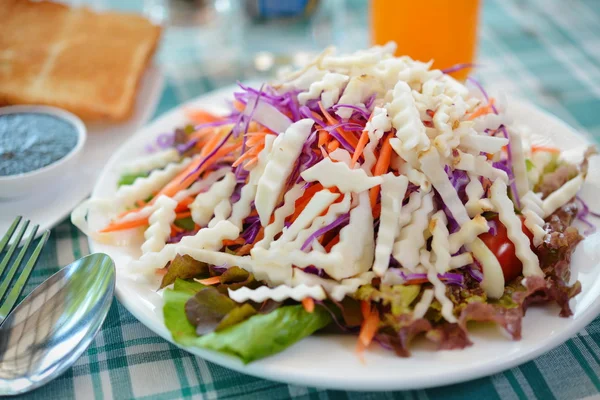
(546, 51)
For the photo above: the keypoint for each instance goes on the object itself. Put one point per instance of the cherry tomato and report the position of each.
(504, 249)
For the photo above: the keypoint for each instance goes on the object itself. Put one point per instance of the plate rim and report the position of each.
(261, 369)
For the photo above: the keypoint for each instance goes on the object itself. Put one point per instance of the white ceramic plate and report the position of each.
(53, 202)
(329, 361)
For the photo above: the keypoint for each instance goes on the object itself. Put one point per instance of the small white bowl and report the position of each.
(19, 185)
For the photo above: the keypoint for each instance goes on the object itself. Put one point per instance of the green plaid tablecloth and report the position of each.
(547, 51)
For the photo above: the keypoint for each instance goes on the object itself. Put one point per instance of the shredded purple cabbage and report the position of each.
(251, 232)
(342, 219)
(483, 92)
(475, 272)
(370, 101)
(449, 277)
(362, 112)
(458, 67)
(582, 215)
(212, 153)
(513, 185)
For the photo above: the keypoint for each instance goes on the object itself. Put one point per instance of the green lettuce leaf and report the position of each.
(399, 297)
(128, 179)
(236, 316)
(266, 334)
(185, 223)
(257, 337)
(207, 308)
(190, 287)
(183, 267)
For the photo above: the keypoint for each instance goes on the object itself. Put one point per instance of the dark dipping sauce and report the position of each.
(30, 141)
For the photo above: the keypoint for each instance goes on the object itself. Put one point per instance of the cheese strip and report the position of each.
(317, 204)
(479, 165)
(160, 225)
(440, 243)
(533, 212)
(278, 293)
(160, 159)
(560, 197)
(467, 233)
(518, 163)
(287, 209)
(203, 206)
(431, 165)
(392, 194)
(514, 229)
(439, 289)
(241, 209)
(412, 238)
(338, 174)
(280, 162)
(406, 119)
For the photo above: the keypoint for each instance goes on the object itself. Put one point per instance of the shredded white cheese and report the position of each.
(338, 174)
(160, 225)
(203, 206)
(280, 162)
(392, 195)
(560, 197)
(440, 242)
(412, 238)
(514, 229)
(278, 293)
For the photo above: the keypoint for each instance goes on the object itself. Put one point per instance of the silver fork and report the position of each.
(9, 298)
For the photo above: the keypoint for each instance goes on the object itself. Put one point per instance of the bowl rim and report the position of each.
(55, 112)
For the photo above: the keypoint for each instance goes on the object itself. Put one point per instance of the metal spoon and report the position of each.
(54, 325)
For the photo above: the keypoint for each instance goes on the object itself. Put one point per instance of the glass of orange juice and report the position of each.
(441, 30)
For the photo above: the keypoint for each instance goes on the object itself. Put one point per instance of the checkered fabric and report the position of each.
(545, 50)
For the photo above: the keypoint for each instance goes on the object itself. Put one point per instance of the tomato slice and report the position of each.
(504, 249)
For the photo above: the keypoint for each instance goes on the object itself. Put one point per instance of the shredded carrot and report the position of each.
(183, 204)
(362, 142)
(249, 154)
(332, 243)
(229, 242)
(377, 211)
(322, 137)
(365, 309)
(483, 110)
(140, 203)
(360, 146)
(210, 281)
(331, 146)
(309, 304)
(381, 166)
(304, 199)
(202, 116)
(184, 214)
(547, 149)
(348, 137)
(244, 250)
(238, 105)
(251, 163)
(176, 228)
(120, 226)
(192, 172)
(368, 328)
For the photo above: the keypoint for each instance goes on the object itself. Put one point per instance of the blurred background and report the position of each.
(545, 50)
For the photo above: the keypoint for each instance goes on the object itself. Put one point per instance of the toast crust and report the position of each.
(85, 62)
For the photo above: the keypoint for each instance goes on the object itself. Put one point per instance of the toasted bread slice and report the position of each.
(86, 62)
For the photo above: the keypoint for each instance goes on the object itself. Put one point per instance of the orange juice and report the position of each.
(442, 30)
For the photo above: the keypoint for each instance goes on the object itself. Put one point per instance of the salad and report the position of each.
(365, 193)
